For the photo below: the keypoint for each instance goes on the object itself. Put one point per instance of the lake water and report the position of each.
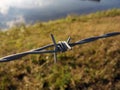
(13, 12)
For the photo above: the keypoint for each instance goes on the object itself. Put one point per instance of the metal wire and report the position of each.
(61, 46)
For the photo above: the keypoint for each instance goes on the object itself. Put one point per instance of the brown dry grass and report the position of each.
(90, 66)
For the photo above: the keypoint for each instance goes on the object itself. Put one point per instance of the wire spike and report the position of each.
(68, 40)
(53, 39)
(55, 53)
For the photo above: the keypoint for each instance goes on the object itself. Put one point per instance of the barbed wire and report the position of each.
(61, 46)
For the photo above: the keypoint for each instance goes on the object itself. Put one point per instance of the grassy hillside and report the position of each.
(90, 66)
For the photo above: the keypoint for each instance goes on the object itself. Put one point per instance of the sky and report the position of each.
(5, 5)
(10, 19)
(13, 12)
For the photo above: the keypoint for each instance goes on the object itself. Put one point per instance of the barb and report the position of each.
(61, 46)
(55, 49)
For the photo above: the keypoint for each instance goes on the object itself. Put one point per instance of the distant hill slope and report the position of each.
(92, 66)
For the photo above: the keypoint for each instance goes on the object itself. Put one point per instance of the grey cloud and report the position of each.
(18, 20)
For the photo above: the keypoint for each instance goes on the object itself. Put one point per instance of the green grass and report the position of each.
(86, 67)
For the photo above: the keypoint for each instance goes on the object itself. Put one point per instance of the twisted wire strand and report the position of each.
(61, 46)
(91, 39)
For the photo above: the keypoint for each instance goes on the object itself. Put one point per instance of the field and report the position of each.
(92, 66)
